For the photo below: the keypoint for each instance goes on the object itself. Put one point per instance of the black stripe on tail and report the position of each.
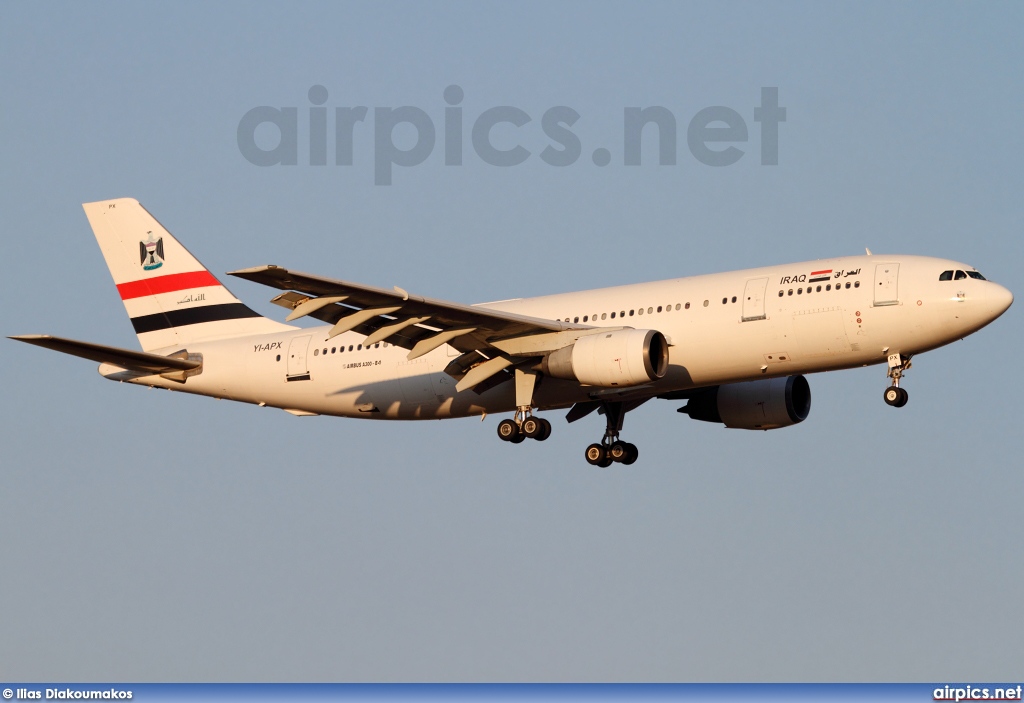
(191, 316)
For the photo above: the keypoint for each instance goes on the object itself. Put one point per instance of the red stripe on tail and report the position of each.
(166, 284)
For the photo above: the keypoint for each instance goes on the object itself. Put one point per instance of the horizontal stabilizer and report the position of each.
(141, 362)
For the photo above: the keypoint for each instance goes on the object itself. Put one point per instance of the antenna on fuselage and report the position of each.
(867, 251)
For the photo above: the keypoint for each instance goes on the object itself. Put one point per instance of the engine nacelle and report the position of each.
(611, 359)
(765, 404)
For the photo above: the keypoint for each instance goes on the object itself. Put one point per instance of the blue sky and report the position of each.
(153, 536)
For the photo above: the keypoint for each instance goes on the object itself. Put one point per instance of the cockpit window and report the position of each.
(960, 275)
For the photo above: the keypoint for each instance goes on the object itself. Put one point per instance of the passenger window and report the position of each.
(585, 317)
(613, 315)
(976, 275)
(724, 301)
(946, 276)
(734, 299)
(706, 303)
(622, 313)
(782, 293)
(377, 345)
(575, 320)
(315, 352)
(847, 285)
(650, 310)
(959, 276)
(359, 348)
(799, 291)
(604, 315)
(687, 306)
(856, 284)
(350, 347)
(631, 313)
(817, 289)
(659, 308)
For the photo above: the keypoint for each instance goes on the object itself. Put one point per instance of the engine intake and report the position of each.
(764, 404)
(611, 359)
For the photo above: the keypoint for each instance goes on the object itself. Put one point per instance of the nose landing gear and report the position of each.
(894, 395)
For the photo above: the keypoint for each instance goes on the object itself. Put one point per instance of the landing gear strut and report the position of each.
(611, 448)
(894, 395)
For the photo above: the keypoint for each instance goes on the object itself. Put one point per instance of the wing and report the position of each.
(416, 323)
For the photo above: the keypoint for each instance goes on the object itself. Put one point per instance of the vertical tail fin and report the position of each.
(170, 297)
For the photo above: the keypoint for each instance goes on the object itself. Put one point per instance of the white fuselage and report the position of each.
(724, 328)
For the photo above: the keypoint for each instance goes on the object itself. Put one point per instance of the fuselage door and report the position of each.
(753, 299)
(297, 368)
(887, 284)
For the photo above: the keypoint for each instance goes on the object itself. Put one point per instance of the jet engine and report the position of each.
(611, 359)
(765, 404)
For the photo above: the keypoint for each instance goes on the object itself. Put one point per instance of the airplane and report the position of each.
(735, 346)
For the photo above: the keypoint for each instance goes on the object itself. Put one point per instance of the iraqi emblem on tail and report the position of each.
(151, 253)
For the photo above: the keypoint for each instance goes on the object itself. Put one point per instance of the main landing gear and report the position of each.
(611, 448)
(894, 395)
(524, 426)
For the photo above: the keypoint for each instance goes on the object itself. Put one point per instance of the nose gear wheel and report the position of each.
(894, 395)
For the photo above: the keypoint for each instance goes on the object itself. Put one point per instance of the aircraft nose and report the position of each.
(999, 299)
